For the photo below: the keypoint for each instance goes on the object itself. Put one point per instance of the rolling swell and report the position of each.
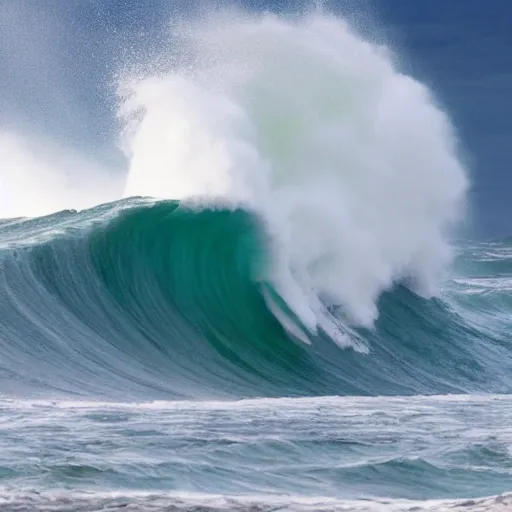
(159, 300)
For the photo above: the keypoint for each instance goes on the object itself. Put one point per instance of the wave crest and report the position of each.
(351, 164)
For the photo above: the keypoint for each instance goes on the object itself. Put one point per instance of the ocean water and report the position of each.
(273, 309)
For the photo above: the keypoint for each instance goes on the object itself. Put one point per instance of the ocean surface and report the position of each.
(281, 309)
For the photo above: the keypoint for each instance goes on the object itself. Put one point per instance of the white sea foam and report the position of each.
(149, 502)
(349, 161)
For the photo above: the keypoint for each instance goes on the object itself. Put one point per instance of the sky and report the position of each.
(59, 61)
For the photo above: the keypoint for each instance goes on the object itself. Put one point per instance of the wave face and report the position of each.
(159, 299)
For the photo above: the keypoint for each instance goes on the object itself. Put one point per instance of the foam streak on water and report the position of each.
(257, 452)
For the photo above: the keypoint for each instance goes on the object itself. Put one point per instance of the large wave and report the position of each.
(157, 300)
(304, 192)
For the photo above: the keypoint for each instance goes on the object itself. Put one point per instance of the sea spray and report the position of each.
(349, 161)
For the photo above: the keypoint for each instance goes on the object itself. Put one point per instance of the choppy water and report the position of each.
(314, 453)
